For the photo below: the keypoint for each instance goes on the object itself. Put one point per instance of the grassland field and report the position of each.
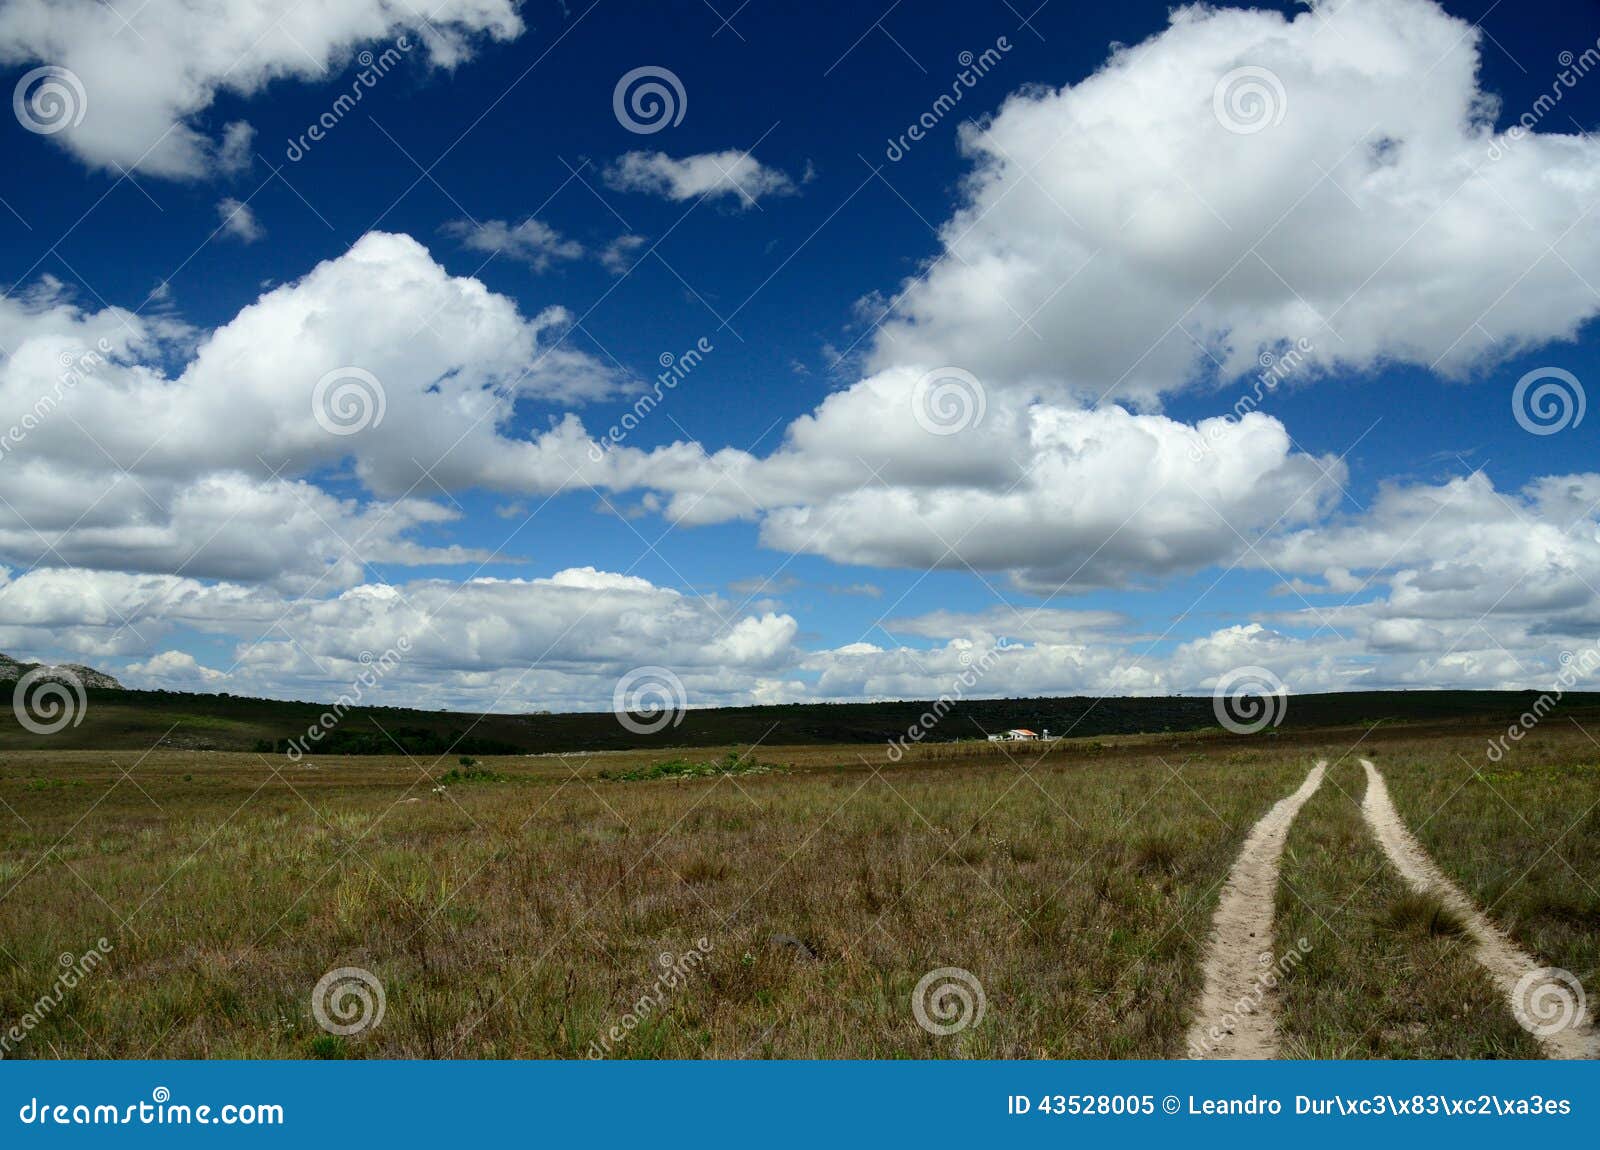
(521, 906)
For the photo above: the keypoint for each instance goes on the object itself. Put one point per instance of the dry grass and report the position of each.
(526, 917)
(1521, 837)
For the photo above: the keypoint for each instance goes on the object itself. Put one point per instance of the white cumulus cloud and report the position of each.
(1116, 237)
(150, 71)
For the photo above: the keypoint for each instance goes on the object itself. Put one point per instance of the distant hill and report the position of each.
(13, 669)
(122, 719)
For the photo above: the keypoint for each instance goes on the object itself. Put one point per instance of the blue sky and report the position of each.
(499, 115)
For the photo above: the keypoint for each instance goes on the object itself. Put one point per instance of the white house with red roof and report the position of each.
(1018, 735)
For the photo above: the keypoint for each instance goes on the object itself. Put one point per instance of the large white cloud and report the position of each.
(149, 71)
(1055, 494)
(176, 668)
(379, 357)
(1461, 549)
(224, 525)
(561, 641)
(1455, 582)
(1115, 234)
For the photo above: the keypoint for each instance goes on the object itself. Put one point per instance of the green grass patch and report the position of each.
(461, 776)
(730, 764)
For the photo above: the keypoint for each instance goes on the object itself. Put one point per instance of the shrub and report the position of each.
(730, 764)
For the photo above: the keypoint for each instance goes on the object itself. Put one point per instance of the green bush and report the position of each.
(730, 764)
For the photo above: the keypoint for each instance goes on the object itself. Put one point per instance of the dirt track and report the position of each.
(1538, 998)
(1236, 1014)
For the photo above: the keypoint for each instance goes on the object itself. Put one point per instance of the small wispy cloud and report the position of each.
(765, 585)
(617, 257)
(532, 242)
(730, 173)
(239, 221)
(865, 590)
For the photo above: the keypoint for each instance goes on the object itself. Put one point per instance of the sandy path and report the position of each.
(1235, 1019)
(1540, 1001)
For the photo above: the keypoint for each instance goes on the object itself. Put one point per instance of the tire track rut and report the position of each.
(1546, 1004)
(1237, 1013)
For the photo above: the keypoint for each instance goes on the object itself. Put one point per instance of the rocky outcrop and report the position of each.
(11, 670)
